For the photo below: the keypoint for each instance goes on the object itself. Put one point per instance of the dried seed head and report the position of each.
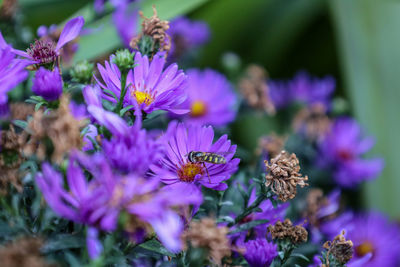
(206, 234)
(155, 28)
(254, 88)
(24, 252)
(59, 126)
(340, 248)
(284, 176)
(21, 110)
(271, 144)
(10, 160)
(312, 121)
(285, 230)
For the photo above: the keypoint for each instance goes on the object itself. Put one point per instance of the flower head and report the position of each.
(205, 91)
(175, 166)
(376, 241)
(342, 150)
(43, 52)
(260, 252)
(147, 84)
(186, 35)
(303, 89)
(48, 84)
(284, 175)
(286, 230)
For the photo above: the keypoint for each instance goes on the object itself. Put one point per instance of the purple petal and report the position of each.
(71, 31)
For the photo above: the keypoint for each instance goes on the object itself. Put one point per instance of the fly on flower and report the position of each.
(207, 157)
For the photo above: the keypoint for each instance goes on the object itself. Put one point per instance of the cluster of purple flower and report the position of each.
(129, 178)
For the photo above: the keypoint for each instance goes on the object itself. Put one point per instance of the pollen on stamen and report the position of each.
(188, 171)
(198, 108)
(142, 97)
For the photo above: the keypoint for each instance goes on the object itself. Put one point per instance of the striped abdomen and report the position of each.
(213, 158)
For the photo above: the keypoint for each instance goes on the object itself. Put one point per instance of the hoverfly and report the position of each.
(207, 157)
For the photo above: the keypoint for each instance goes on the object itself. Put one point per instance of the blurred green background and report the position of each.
(356, 41)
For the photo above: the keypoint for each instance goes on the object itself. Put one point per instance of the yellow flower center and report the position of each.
(188, 171)
(143, 97)
(364, 248)
(198, 108)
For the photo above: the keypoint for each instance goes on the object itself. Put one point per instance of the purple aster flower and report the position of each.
(304, 89)
(175, 167)
(48, 84)
(260, 252)
(342, 150)
(12, 72)
(126, 23)
(99, 201)
(46, 51)
(130, 149)
(205, 91)
(186, 35)
(148, 85)
(376, 240)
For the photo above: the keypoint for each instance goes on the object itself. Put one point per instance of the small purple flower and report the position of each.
(260, 252)
(205, 91)
(175, 167)
(186, 35)
(12, 72)
(126, 23)
(48, 84)
(342, 150)
(304, 89)
(92, 95)
(147, 84)
(130, 149)
(46, 51)
(98, 202)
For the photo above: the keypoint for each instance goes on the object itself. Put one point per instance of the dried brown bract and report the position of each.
(20, 110)
(272, 144)
(254, 88)
(157, 30)
(10, 160)
(286, 230)
(284, 176)
(206, 234)
(59, 126)
(24, 252)
(340, 248)
(312, 121)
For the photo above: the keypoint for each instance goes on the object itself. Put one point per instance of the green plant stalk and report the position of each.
(123, 92)
(249, 210)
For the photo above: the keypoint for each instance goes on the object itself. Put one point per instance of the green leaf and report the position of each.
(63, 241)
(298, 255)
(20, 123)
(106, 39)
(125, 109)
(38, 105)
(111, 93)
(248, 226)
(154, 245)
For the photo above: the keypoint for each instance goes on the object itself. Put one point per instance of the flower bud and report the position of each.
(48, 84)
(123, 59)
(82, 72)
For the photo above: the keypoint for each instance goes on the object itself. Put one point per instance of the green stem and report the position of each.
(249, 210)
(123, 92)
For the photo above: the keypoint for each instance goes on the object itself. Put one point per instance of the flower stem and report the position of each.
(123, 92)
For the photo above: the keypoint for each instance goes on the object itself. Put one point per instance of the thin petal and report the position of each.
(71, 31)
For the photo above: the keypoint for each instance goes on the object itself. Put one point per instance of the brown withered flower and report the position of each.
(312, 121)
(21, 110)
(254, 88)
(206, 234)
(271, 144)
(155, 28)
(340, 248)
(283, 176)
(23, 252)
(286, 230)
(8, 9)
(59, 126)
(10, 160)
(315, 202)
